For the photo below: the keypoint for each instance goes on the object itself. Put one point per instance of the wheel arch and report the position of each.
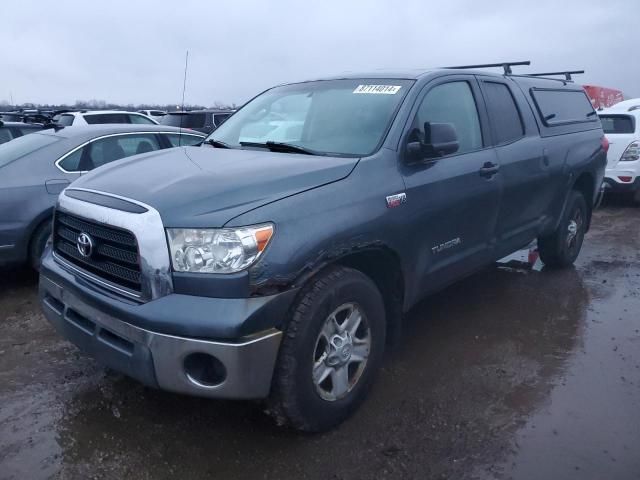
(383, 266)
(585, 184)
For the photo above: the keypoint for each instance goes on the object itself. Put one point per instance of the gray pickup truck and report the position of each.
(275, 261)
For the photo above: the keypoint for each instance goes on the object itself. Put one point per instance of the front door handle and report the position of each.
(489, 169)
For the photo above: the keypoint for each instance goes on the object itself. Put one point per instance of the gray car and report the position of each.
(35, 168)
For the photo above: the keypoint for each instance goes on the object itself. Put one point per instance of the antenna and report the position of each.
(505, 65)
(567, 74)
(184, 88)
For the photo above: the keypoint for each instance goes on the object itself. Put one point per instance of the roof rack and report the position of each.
(567, 74)
(505, 65)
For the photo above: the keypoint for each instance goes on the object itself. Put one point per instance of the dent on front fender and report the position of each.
(268, 279)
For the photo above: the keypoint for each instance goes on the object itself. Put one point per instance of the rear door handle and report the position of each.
(489, 169)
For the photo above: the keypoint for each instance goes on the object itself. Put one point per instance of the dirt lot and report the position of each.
(511, 373)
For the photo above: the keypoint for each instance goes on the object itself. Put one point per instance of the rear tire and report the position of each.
(38, 243)
(331, 350)
(562, 248)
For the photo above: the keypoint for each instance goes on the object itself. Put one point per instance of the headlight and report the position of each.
(223, 250)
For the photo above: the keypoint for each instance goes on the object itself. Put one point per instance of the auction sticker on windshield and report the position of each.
(377, 89)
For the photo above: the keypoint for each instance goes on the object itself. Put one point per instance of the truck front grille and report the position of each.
(113, 253)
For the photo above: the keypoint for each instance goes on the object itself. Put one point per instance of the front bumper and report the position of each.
(9, 254)
(156, 359)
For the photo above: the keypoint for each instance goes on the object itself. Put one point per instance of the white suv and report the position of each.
(88, 117)
(621, 125)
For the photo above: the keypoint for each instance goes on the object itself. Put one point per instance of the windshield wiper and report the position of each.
(216, 143)
(280, 147)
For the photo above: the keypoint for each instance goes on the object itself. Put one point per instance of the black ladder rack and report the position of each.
(567, 74)
(505, 65)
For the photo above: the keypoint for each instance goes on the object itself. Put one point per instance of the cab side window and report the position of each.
(66, 120)
(503, 112)
(140, 119)
(452, 103)
(183, 140)
(109, 149)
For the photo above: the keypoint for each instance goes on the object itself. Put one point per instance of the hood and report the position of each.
(204, 187)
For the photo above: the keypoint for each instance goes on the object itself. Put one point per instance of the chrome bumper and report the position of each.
(161, 360)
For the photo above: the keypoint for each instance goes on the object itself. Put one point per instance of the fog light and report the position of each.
(204, 370)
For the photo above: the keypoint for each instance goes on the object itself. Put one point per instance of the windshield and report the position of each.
(332, 117)
(24, 145)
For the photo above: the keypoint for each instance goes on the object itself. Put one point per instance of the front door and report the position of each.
(452, 201)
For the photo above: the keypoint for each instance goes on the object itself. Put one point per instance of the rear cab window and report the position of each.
(618, 124)
(563, 106)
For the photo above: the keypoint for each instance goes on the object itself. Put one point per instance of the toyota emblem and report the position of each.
(84, 245)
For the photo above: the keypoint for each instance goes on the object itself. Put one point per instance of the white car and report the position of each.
(92, 117)
(621, 125)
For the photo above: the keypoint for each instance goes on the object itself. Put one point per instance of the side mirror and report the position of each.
(440, 139)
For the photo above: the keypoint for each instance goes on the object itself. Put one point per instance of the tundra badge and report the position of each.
(446, 245)
(396, 200)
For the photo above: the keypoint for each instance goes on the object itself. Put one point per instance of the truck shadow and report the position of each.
(17, 278)
(474, 362)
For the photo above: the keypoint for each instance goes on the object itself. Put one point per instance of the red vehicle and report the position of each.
(602, 97)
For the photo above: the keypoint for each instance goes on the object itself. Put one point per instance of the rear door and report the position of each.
(524, 168)
(620, 131)
(452, 201)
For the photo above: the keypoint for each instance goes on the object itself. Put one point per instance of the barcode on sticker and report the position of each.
(378, 89)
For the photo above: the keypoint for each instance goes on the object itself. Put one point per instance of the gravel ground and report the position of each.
(511, 373)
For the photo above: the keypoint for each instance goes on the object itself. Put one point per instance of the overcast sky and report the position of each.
(133, 51)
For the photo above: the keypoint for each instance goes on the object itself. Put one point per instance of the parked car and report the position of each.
(35, 168)
(205, 121)
(278, 270)
(621, 126)
(11, 116)
(155, 114)
(85, 117)
(11, 130)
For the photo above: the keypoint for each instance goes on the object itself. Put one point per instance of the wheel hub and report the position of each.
(341, 347)
(573, 229)
(341, 352)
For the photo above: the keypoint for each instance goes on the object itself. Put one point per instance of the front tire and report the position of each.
(562, 248)
(331, 350)
(38, 243)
